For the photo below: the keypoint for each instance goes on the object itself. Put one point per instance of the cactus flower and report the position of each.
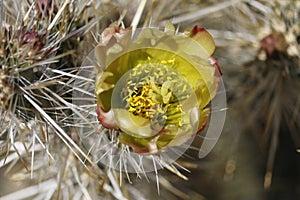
(154, 87)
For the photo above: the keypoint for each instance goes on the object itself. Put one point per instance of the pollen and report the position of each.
(140, 103)
(153, 91)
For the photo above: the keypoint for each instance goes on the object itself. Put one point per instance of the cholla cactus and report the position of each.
(6, 89)
(267, 93)
(278, 64)
(47, 99)
(34, 107)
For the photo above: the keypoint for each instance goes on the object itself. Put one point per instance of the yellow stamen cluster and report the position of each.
(152, 92)
(141, 102)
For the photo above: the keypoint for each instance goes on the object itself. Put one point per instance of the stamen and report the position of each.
(150, 93)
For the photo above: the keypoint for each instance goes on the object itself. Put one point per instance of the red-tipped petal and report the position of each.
(203, 126)
(107, 119)
(203, 37)
(215, 63)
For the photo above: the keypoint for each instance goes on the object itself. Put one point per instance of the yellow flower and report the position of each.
(153, 86)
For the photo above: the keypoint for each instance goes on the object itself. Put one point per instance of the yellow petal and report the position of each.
(169, 27)
(203, 118)
(203, 37)
(134, 125)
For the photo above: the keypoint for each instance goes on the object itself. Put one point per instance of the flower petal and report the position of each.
(203, 37)
(107, 119)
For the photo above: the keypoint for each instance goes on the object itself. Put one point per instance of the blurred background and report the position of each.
(257, 47)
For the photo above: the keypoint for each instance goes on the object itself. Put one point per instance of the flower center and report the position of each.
(153, 98)
(153, 92)
(141, 102)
